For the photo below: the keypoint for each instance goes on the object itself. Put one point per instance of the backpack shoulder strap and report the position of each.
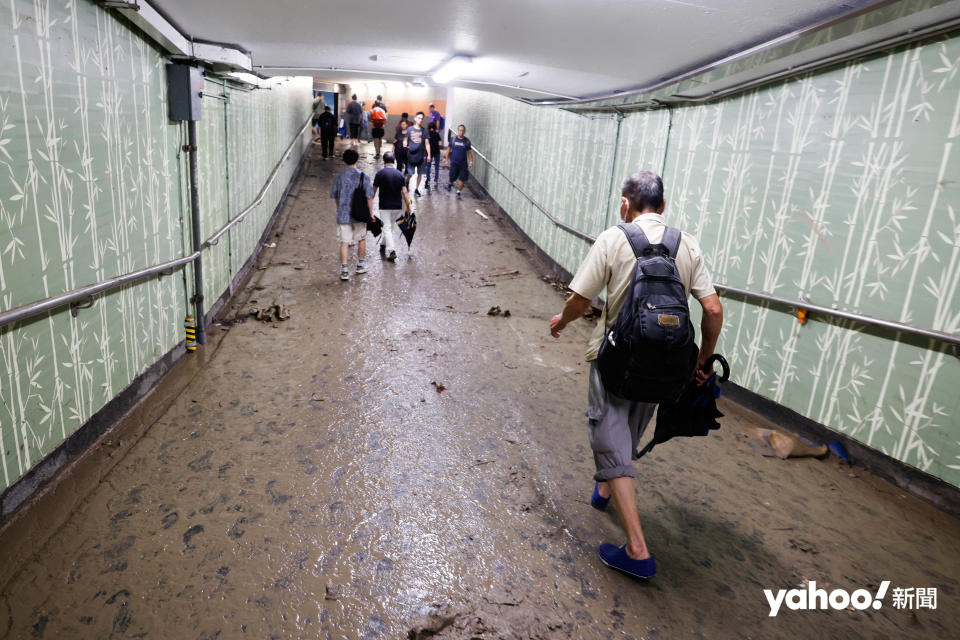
(636, 237)
(671, 241)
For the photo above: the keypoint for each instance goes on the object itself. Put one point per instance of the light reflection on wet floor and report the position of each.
(314, 482)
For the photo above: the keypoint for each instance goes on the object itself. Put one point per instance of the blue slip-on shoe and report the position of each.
(598, 502)
(616, 558)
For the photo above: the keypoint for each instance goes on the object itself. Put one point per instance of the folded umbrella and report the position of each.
(407, 224)
(694, 413)
(375, 227)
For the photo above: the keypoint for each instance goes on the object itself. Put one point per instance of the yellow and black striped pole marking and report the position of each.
(190, 327)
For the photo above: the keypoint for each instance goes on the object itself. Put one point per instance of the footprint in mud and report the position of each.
(276, 498)
(190, 533)
(133, 496)
(384, 566)
(300, 558)
(200, 464)
(522, 492)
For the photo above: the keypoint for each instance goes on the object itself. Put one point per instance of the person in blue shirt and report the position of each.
(437, 119)
(349, 230)
(460, 159)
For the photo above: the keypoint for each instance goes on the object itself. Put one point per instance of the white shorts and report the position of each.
(352, 232)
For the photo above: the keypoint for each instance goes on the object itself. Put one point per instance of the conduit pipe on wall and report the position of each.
(818, 63)
(172, 40)
(613, 164)
(909, 34)
(195, 225)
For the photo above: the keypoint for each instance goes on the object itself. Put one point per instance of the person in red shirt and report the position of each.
(378, 119)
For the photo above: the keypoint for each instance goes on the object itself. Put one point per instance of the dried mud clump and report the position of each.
(501, 621)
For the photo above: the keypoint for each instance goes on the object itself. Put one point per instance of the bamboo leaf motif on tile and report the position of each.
(90, 187)
(837, 186)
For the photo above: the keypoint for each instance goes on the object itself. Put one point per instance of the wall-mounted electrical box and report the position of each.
(184, 91)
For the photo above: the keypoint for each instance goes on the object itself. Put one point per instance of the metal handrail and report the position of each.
(553, 219)
(847, 315)
(215, 238)
(757, 295)
(85, 293)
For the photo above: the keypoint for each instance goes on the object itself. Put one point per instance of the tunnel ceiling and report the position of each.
(549, 47)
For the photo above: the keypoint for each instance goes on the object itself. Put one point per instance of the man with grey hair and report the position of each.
(617, 424)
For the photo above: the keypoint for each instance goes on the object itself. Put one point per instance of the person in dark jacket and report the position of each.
(354, 120)
(434, 135)
(327, 124)
(398, 149)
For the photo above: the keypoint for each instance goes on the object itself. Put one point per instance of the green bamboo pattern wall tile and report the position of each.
(94, 185)
(838, 187)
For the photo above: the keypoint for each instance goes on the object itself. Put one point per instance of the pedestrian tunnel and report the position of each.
(206, 431)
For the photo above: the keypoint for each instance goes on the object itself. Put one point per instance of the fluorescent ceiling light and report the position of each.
(451, 69)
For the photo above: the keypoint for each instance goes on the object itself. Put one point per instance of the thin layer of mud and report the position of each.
(390, 461)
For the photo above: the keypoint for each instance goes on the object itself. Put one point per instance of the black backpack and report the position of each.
(359, 207)
(650, 352)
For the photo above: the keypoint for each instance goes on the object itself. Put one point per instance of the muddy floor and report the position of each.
(393, 462)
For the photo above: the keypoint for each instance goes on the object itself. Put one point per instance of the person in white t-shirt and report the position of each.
(617, 424)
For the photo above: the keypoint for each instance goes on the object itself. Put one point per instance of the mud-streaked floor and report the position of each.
(315, 483)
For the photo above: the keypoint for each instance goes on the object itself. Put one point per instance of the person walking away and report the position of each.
(392, 186)
(348, 229)
(434, 155)
(398, 149)
(616, 424)
(365, 125)
(318, 107)
(460, 159)
(354, 120)
(417, 144)
(436, 118)
(327, 125)
(378, 119)
(398, 138)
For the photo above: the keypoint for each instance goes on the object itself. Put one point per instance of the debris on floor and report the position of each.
(802, 545)
(771, 443)
(229, 321)
(497, 311)
(270, 313)
(488, 621)
(438, 386)
(556, 283)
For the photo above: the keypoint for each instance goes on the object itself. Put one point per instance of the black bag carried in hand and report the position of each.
(650, 353)
(359, 206)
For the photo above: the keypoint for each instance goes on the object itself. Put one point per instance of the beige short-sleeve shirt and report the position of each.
(610, 264)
